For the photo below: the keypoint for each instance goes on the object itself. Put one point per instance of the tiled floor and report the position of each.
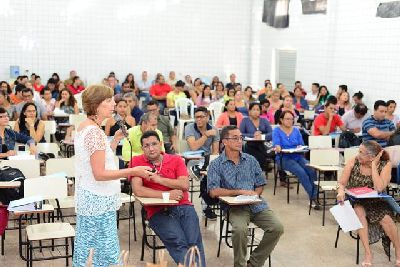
(304, 243)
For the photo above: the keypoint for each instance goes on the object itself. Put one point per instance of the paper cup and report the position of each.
(165, 196)
(263, 137)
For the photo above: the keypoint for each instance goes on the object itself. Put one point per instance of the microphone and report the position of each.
(122, 126)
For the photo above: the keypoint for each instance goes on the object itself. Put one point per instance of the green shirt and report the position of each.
(134, 134)
(164, 125)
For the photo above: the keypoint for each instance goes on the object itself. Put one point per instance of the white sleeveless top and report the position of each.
(94, 197)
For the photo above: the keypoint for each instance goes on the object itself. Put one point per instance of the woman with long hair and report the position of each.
(122, 113)
(5, 103)
(323, 95)
(287, 105)
(240, 103)
(67, 102)
(205, 98)
(97, 181)
(230, 116)
(391, 108)
(343, 104)
(248, 95)
(131, 80)
(371, 168)
(29, 124)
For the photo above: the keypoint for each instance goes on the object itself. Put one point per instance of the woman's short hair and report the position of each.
(373, 148)
(283, 113)
(251, 106)
(93, 96)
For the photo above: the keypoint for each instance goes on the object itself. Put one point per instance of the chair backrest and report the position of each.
(184, 106)
(48, 148)
(66, 165)
(49, 187)
(50, 127)
(78, 98)
(350, 153)
(11, 124)
(29, 167)
(320, 141)
(216, 108)
(76, 119)
(183, 146)
(309, 114)
(325, 157)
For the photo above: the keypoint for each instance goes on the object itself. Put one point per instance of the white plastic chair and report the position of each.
(11, 124)
(50, 128)
(216, 108)
(29, 167)
(66, 165)
(76, 119)
(78, 98)
(324, 157)
(309, 114)
(183, 106)
(48, 148)
(350, 153)
(320, 141)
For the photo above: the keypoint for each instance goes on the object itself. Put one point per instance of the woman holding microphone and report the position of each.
(97, 187)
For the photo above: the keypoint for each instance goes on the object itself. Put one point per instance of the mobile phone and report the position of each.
(21, 147)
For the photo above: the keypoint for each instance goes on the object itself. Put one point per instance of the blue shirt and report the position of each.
(248, 129)
(247, 175)
(303, 103)
(294, 139)
(11, 137)
(192, 130)
(382, 125)
(137, 113)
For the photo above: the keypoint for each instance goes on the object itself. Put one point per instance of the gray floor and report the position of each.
(304, 243)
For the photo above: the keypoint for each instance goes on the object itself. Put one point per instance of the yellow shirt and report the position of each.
(172, 96)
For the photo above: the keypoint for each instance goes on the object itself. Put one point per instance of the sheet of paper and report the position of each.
(244, 198)
(346, 217)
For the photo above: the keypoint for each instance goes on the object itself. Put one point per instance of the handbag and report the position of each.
(161, 261)
(192, 254)
(8, 174)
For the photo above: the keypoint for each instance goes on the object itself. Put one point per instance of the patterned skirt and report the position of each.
(100, 233)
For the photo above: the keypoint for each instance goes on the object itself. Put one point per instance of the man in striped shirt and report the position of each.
(377, 127)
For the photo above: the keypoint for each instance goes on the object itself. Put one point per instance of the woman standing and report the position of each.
(97, 181)
(29, 124)
(371, 168)
(123, 114)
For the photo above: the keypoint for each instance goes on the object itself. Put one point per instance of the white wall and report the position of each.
(349, 45)
(201, 38)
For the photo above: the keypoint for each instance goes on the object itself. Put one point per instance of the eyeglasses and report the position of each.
(3, 116)
(200, 117)
(147, 146)
(235, 138)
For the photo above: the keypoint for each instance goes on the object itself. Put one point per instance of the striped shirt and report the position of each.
(384, 125)
(247, 175)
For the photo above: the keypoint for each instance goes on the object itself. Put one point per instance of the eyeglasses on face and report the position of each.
(235, 138)
(200, 117)
(153, 144)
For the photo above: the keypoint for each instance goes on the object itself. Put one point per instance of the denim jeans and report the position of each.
(178, 228)
(306, 175)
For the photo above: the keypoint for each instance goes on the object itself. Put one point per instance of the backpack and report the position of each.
(8, 174)
(394, 140)
(348, 139)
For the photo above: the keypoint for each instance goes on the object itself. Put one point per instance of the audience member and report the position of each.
(357, 98)
(236, 173)
(70, 81)
(144, 87)
(48, 102)
(171, 79)
(300, 103)
(37, 85)
(17, 97)
(312, 97)
(67, 102)
(266, 112)
(27, 96)
(354, 118)
(240, 104)
(275, 102)
(121, 114)
(54, 91)
(377, 127)
(266, 92)
(148, 122)
(159, 91)
(175, 94)
(205, 98)
(391, 108)
(323, 95)
(232, 81)
(343, 104)
(230, 94)
(133, 105)
(130, 80)
(164, 125)
(5, 103)
(286, 105)
(248, 95)
(5, 87)
(282, 90)
(76, 86)
(29, 124)
(9, 137)
(112, 82)
(176, 225)
(56, 77)
(219, 92)
(371, 168)
(327, 122)
(285, 136)
(230, 116)
(298, 84)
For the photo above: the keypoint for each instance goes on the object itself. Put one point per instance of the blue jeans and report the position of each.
(306, 175)
(178, 229)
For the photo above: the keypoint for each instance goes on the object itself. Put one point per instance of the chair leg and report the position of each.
(66, 252)
(154, 249)
(143, 243)
(288, 188)
(134, 222)
(337, 236)
(358, 250)
(252, 240)
(275, 180)
(323, 208)
(30, 254)
(3, 237)
(310, 207)
(298, 186)
(269, 261)
(221, 226)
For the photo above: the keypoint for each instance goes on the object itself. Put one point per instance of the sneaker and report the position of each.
(195, 172)
(210, 214)
(315, 205)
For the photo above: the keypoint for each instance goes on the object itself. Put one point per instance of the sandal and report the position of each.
(366, 264)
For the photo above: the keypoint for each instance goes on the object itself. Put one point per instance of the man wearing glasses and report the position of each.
(27, 97)
(177, 225)
(200, 135)
(236, 173)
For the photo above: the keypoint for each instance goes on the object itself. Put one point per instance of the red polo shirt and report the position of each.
(75, 90)
(321, 120)
(160, 90)
(172, 167)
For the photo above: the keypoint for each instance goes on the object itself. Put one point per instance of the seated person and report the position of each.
(391, 108)
(176, 93)
(327, 122)
(67, 102)
(240, 103)
(205, 98)
(236, 173)
(76, 86)
(200, 135)
(300, 103)
(176, 225)
(371, 168)
(159, 91)
(230, 116)
(354, 118)
(48, 102)
(286, 136)
(27, 96)
(164, 125)
(28, 123)
(377, 127)
(265, 111)
(257, 128)
(5, 103)
(121, 114)
(148, 122)
(287, 105)
(133, 104)
(8, 138)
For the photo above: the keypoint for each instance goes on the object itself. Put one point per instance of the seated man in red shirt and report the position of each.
(176, 225)
(159, 92)
(326, 122)
(76, 86)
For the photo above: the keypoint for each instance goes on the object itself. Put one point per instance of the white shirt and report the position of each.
(311, 97)
(351, 122)
(144, 85)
